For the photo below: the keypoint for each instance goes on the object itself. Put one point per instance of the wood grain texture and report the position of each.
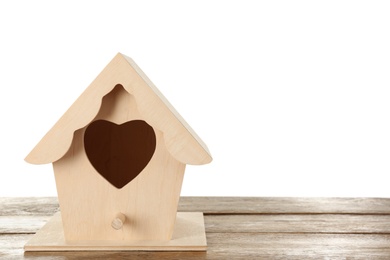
(234, 246)
(303, 223)
(348, 228)
(118, 221)
(188, 235)
(89, 202)
(284, 205)
(18, 224)
(31, 206)
(225, 205)
(181, 141)
(90, 155)
(286, 223)
(149, 205)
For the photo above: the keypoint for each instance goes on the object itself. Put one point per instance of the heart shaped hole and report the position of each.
(119, 152)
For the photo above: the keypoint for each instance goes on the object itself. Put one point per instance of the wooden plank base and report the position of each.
(188, 235)
(236, 228)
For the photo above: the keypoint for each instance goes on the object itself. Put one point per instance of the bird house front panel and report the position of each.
(118, 164)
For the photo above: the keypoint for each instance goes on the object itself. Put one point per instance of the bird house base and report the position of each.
(188, 235)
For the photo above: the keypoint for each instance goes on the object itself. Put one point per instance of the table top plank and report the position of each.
(22, 206)
(22, 224)
(283, 205)
(285, 223)
(18, 206)
(235, 246)
(237, 228)
(264, 223)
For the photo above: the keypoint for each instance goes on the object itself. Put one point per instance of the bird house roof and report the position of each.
(180, 140)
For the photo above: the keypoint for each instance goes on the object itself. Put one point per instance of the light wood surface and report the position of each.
(286, 205)
(181, 141)
(118, 221)
(121, 147)
(188, 235)
(236, 228)
(89, 202)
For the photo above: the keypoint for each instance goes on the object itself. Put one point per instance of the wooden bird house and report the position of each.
(119, 155)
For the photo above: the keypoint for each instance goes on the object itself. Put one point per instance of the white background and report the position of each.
(291, 97)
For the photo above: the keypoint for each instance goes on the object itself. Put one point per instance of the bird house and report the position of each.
(119, 154)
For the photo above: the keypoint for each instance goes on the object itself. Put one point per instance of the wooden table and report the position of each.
(237, 228)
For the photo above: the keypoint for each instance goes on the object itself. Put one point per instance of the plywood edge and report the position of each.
(206, 156)
(189, 235)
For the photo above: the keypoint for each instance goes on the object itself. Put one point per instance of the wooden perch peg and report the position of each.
(118, 221)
